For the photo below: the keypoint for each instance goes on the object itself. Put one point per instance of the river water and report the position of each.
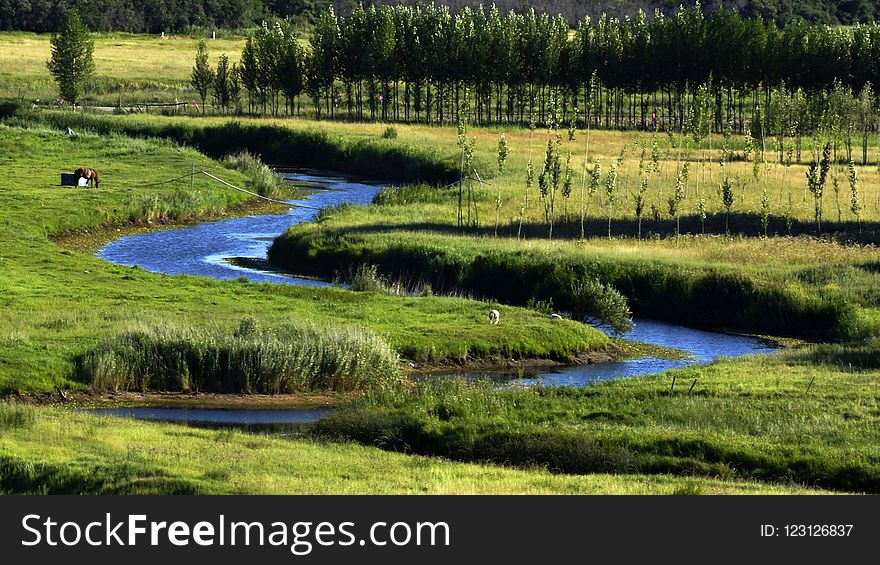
(212, 249)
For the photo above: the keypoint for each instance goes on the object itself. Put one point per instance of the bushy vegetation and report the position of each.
(249, 359)
(594, 302)
(15, 415)
(264, 181)
(366, 278)
(775, 418)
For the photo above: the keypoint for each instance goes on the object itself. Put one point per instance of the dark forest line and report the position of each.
(155, 16)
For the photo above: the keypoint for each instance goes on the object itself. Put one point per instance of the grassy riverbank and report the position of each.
(807, 416)
(88, 454)
(783, 286)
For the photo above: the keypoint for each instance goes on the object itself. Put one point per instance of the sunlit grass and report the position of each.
(129, 68)
(90, 455)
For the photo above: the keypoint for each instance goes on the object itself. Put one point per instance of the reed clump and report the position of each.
(15, 415)
(247, 359)
(264, 181)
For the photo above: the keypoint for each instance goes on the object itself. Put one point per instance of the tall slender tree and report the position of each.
(202, 76)
(72, 63)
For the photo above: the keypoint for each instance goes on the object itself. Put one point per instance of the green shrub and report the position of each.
(366, 278)
(264, 181)
(8, 109)
(390, 133)
(593, 302)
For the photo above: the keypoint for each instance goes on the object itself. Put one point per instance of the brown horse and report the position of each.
(91, 175)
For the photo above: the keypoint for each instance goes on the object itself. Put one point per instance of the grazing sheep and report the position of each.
(494, 316)
(555, 317)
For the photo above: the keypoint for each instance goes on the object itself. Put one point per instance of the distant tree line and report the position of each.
(426, 64)
(831, 12)
(154, 16)
(151, 16)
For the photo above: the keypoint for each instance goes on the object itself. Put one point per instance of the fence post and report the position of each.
(192, 178)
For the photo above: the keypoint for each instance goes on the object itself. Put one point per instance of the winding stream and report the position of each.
(236, 247)
(702, 347)
(250, 419)
(215, 249)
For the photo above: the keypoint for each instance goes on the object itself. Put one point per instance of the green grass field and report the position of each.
(805, 416)
(57, 451)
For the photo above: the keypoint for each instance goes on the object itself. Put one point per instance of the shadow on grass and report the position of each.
(740, 224)
(18, 476)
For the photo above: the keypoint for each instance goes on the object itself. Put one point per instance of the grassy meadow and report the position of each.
(796, 422)
(130, 68)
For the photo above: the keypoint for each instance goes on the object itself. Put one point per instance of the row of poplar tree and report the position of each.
(415, 64)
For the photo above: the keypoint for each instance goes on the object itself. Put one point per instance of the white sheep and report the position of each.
(494, 316)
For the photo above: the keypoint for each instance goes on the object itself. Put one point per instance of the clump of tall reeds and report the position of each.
(247, 359)
(179, 205)
(16, 415)
(264, 181)
(366, 278)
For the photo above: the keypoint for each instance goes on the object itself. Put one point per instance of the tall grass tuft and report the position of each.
(179, 206)
(248, 359)
(366, 278)
(265, 181)
(15, 415)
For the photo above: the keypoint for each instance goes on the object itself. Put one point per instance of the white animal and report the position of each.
(555, 317)
(494, 316)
